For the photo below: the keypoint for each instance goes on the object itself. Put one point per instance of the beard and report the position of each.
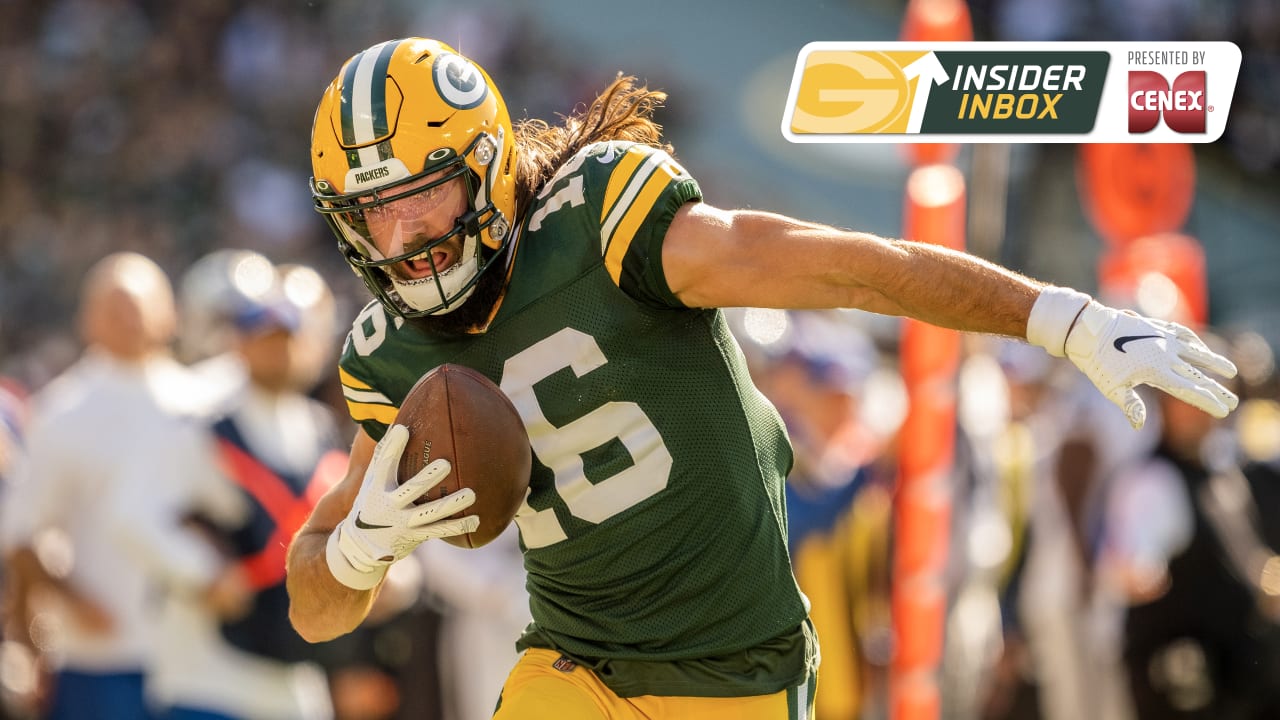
(471, 315)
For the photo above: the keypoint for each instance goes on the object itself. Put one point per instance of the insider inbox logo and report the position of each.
(1103, 92)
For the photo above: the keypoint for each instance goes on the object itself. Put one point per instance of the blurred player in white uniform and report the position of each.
(100, 425)
(260, 458)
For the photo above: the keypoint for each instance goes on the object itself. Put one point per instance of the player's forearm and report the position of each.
(744, 258)
(952, 289)
(320, 607)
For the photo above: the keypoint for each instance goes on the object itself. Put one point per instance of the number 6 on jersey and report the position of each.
(561, 448)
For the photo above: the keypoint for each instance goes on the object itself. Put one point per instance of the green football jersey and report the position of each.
(654, 532)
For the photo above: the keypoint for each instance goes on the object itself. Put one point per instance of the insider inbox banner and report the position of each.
(1078, 92)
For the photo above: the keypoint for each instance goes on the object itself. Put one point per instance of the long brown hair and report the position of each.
(621, 111)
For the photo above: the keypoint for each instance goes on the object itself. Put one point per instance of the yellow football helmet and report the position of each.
(397, 112)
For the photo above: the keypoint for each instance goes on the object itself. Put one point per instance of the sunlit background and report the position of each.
(176, 129)
(179, 128)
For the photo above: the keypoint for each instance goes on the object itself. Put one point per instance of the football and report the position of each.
(456, 413)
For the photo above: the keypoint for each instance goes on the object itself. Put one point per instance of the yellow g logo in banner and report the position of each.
(848, 91)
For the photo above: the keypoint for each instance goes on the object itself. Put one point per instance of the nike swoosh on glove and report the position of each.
(1119, 350)
(384, 525)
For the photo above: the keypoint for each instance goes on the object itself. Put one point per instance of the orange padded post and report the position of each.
(930, 356)
(935, 21)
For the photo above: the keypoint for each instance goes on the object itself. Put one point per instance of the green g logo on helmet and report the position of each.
(458, 81)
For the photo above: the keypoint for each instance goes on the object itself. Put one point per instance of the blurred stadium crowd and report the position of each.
(173, 131)
(1094, 572)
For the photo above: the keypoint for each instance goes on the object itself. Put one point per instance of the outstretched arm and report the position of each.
(743, 258)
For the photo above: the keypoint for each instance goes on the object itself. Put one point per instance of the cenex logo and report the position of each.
(1183, 105)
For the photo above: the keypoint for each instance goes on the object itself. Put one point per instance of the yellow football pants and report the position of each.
(537, 690)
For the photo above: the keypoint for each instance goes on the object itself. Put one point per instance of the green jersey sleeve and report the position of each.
(373, 410)
(636, 189)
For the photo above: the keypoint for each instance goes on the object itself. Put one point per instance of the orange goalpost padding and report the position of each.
(930, 356)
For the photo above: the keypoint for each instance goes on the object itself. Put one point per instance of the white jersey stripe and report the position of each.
(365, 396)
(620, 208)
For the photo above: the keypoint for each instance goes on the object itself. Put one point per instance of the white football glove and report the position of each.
(384, 525)
(1119, 350)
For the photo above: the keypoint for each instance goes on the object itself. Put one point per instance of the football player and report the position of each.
(579, 268)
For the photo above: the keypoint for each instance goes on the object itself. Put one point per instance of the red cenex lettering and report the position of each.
(1182, 105)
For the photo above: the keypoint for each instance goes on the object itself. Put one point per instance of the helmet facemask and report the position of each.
(442, 291)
